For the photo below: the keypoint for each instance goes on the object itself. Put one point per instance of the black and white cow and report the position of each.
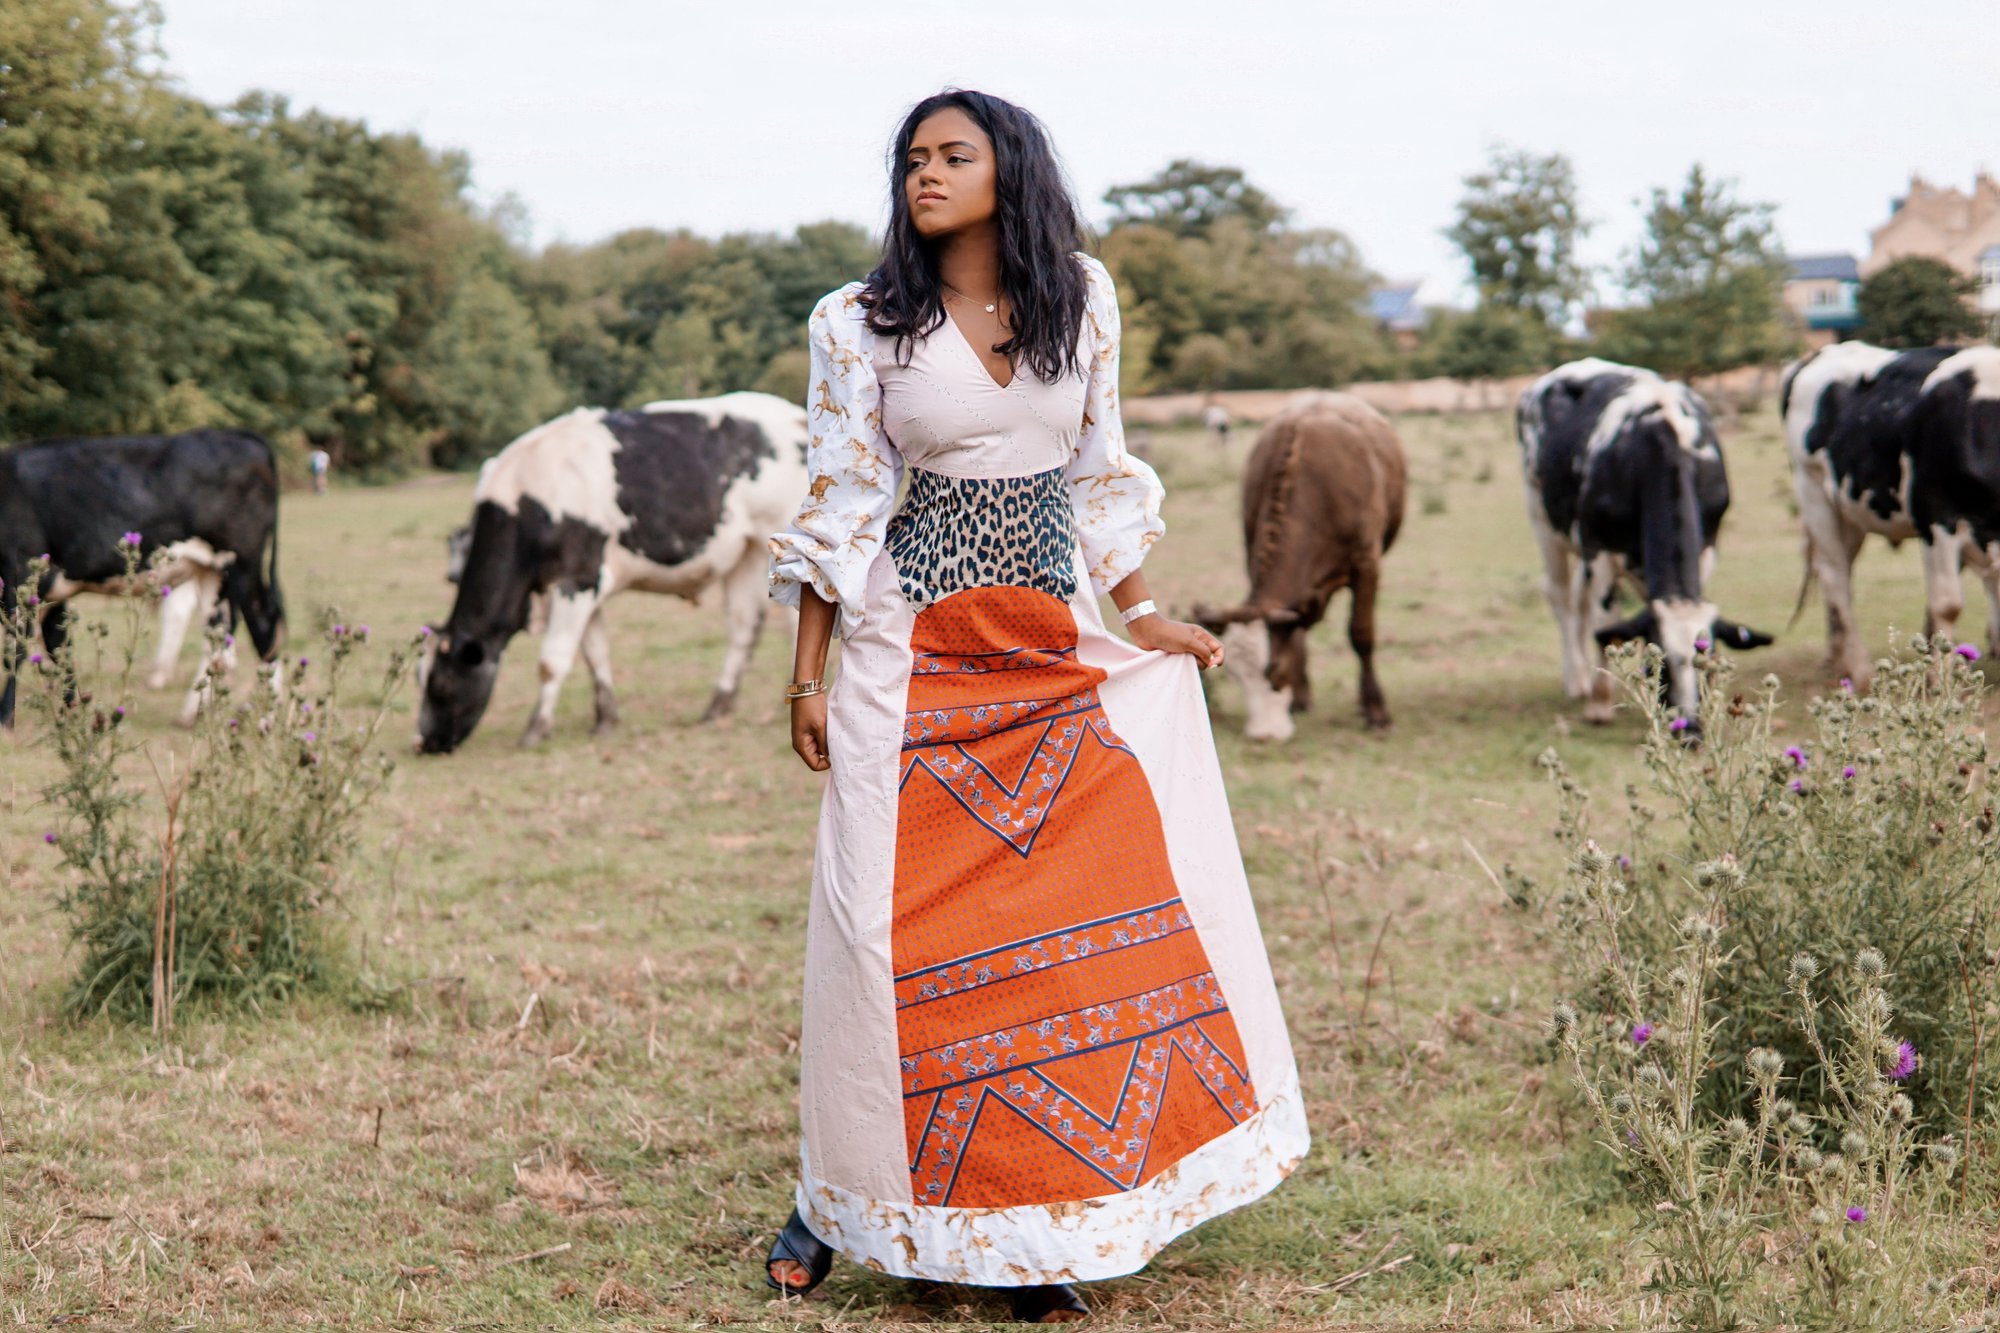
(208, 498)
(669, 499)
(1626, 483)
(1901, 445)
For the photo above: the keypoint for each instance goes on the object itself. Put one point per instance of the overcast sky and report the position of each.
(760, 114)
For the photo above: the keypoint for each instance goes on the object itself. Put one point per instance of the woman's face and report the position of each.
(949, 175)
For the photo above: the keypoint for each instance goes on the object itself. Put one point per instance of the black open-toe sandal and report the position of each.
(1057, 1304)
(797, 1244)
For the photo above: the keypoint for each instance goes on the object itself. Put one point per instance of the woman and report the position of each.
(1041, 1038)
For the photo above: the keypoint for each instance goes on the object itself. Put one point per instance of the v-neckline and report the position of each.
(965, 341)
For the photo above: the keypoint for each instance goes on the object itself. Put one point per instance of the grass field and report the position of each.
(592, 1058)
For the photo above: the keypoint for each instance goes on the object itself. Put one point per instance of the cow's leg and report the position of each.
(1831, 545)
(1596, 580)
(1558, 579)
(743, 601)
(597, 656)
(1944, 587)
(570, 615)
(1361, 634)
(177, 612)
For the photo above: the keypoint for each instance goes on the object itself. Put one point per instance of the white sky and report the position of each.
(760, 114)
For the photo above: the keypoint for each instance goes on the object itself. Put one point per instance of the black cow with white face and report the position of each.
(1899, 445)
(668, 499)
(1626, 483)
(208, 498)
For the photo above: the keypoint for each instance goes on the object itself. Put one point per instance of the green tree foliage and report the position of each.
(1708, 274)
(1518, 225)
(1217, 291)
(1918, 302)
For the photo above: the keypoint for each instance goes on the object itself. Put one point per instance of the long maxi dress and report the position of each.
(1041, 1037)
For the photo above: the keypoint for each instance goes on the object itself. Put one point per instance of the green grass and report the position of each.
(647, 890)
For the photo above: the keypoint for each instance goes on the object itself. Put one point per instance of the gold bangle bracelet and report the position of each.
(805, 689)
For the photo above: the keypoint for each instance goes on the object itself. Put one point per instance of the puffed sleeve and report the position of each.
(854, 469)
(1116, 497)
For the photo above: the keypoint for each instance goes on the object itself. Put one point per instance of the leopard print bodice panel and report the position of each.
(954, 533)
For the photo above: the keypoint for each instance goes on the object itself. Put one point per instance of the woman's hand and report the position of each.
(809, 731)
(1172, 636)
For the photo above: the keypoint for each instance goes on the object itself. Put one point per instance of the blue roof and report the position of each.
(1838, 268)
(1396, 305)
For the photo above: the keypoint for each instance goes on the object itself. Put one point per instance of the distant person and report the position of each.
(1040, 1037)
(321, 462)
(1216, 417)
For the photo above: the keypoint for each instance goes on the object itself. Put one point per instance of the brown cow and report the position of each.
(1322, 500)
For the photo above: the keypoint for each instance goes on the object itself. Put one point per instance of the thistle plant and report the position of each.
(1764, 1213)
(1872, 827)
(217, 890)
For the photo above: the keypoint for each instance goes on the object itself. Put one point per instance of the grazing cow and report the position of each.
(669, 499)
(1625, 482)
(209, 498)
(1899, 444)
(1322, 502)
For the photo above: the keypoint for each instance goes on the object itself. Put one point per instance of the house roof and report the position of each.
(1396, 306)
(1837, 268)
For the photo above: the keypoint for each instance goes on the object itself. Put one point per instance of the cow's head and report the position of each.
(455, 676)
(1681, 627)
(1264, 653)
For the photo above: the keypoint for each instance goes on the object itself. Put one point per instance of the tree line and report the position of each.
(166, 264)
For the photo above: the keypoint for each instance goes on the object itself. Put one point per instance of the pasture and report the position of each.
(574, 1105)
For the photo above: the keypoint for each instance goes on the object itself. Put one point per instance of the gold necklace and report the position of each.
(991, 306)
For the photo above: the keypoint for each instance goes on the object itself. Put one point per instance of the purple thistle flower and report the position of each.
(1642, 1033)
(1678, 724)
(49, 838)
(1796, 755)
(1847, 772)
(1906, 1061)
(1857, 1214)
(1967, 651)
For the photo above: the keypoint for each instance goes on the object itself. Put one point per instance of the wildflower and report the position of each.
(1642, 1033)
(1967, 651)
(1870, 963)
(1678, 724)
(49, 838)
(1847, 772)
(1906, 1062)
(129, 539)
(1857, 1214)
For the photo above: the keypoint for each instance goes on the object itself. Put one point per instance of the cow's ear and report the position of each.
(1637, 627)
(1740, 636)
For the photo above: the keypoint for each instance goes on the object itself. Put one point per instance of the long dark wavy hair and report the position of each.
(1040, 231)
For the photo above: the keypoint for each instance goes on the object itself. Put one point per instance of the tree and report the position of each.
(1708, 275)
(1188, 198)
(1518, 225)
(1918, 302)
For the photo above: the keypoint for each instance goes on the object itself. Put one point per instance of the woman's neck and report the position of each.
(969, 262)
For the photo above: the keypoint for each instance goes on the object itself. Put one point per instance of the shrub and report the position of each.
(1873, 830)
(1769, 1213)
(225, 900)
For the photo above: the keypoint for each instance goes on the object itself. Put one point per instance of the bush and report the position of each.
(224, 900)
(1875, 830)
(1769, 1214)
